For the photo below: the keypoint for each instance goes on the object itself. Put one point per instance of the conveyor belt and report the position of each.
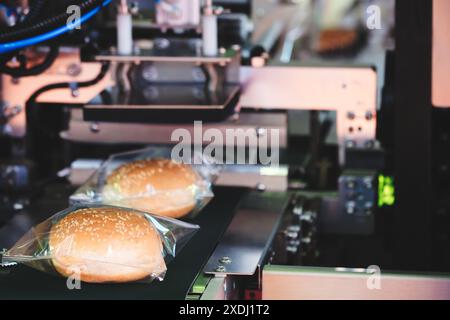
(25, 283)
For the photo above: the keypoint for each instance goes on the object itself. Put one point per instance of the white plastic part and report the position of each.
(210, 35)
(178, 13)
(124, 34)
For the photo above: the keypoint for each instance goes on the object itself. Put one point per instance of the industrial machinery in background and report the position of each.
(125, 74)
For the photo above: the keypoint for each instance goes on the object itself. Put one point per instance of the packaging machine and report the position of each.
(333, 205)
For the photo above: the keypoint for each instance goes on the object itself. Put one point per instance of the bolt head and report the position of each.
(351, 115)
(73, 70)
(261, 187)
(370, 144)
(95, 127)
(225, 260)
(350, 144)
(369, 115)
(221, 269)
(261, 132)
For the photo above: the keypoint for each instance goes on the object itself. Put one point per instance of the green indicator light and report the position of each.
(386, 191)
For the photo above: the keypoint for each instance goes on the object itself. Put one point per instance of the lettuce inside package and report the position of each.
(102, 244)
(151, 181)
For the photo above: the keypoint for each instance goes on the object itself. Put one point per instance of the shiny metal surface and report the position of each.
(250, 176)
(304, 283)
(82, 131)
(249, 235)
(221, 288)
(191, 97)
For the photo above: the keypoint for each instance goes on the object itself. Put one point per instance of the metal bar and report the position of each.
(155, 58)
(249, 235)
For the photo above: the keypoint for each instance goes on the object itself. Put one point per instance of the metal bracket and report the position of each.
(351, 92)
(249, 235)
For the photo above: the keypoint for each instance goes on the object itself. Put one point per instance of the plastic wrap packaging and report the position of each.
(102, 244)
(150, 181)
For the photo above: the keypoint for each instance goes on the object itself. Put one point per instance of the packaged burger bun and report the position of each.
(102, 244)
(149, 180)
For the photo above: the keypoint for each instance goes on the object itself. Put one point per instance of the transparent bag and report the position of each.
(120, 182)
(75, 243)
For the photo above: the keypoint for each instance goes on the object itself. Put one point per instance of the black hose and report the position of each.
(35, 70)
(31, 17)
(23, 32)
(35, 12)
(64, 85)
(32, 111)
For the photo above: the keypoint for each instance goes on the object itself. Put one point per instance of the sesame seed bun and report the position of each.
(106, 244)
(158, 186)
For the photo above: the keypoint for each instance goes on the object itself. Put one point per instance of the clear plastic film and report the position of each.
(149, 180)
(102, 244)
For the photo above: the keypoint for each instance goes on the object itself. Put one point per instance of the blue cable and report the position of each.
(13, 46)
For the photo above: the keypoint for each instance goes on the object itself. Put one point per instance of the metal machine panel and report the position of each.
(441, 52)
(249, 235)
(351, 92)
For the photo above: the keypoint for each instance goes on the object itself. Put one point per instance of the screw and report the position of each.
(369, 115)
(350, 144)
(370, 144)
(198, 75)
(16, 110)
(306, 240)
(308, 217)
(73, 70)
(351, 115)
(350, 207)
(162, 43)
(291, 235)
(75, 93)
(221, 269)
(261, 187)
(261, 132)
(368, 204)
(225, 260)
(134, 8)
(150, 73)
(294, 228)
(236, 47)
(368, 182)
(298, 210)
(95, 127)
(351, 184)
